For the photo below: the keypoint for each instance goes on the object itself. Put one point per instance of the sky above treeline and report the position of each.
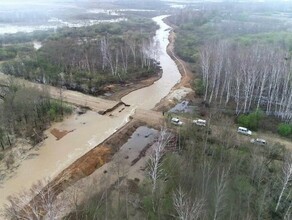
(23, 1)
(48, 2)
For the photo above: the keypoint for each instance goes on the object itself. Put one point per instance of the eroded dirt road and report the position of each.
(91, 128)
(76, 98)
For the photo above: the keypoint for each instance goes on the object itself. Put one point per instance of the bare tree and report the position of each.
(186, 208)
(155, 170)
(207, 171)
(220, 191)
(205, 59)
(253, 76)
(287, 171)
(25, 206)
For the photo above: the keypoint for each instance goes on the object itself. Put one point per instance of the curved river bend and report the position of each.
(91, 128)
(148, 97)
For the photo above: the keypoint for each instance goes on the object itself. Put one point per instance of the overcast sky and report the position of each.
(182, 1)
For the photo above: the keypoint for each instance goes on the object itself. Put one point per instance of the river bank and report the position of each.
(183, 88)
(117, 91)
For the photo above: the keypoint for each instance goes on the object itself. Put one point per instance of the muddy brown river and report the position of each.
(91, 128)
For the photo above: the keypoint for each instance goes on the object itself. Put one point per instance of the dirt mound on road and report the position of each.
(60, 134)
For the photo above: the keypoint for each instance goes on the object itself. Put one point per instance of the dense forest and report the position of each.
(87, 58)
(244, 58)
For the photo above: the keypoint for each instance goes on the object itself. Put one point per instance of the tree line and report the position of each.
(243, 59)
(256, 76)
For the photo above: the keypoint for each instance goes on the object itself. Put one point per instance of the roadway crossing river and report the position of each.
(91, 128)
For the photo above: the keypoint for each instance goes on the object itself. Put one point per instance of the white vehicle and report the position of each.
(200, 122)
(243, 130)
(258, 141)
(176, 121)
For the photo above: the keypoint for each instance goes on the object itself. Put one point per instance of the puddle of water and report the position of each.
(140, 139)
(182, 107)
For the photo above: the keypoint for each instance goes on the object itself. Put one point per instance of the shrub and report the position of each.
(243, 120)
(199, 87)
(285, 130)
(251, 120)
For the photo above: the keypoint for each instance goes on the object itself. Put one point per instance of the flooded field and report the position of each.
(33, 15)
(39, 16)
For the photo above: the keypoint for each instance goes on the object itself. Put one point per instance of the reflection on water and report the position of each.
(140, 139)
(41, 16)
(56, 23)
(31, 16)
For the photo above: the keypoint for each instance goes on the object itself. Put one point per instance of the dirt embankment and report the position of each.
(102, 153)
(183, 67)
(91, 161)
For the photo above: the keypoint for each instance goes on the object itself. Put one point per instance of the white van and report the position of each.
(200, 122)
(176, 121)
(243, 130)
(258, 141)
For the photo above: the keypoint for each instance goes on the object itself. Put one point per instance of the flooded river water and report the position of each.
(148, 97)
(91, 128)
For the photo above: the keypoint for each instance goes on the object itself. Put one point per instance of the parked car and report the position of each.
(243, 130)
(200, 122)
(176, 121)
(258, 141)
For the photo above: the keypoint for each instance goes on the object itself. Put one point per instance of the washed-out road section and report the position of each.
(91, 128)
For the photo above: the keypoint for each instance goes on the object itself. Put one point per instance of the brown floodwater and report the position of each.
(148, 97)
(91, 128)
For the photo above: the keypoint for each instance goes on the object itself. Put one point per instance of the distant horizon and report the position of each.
(174, 1)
